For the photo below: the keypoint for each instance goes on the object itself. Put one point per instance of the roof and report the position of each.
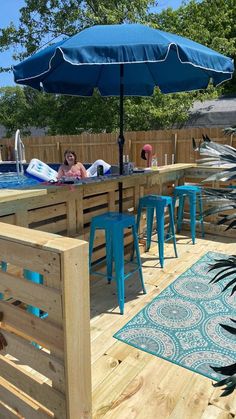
(34, 132)
(220, 113)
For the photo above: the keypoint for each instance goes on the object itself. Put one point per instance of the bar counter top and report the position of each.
(67, 209)
(7, 195)
(150, 177)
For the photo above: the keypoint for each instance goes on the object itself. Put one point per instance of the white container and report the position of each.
(154, 163)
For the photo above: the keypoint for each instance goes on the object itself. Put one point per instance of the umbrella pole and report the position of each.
(121, 138)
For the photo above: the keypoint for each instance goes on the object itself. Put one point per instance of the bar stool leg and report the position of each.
(161, 235)
(118, 251)
(192, 200)
(37, 279)
(91, 241)
(4, 269)
(109, 255)
(172, 226)
(201, 214)
(180, 212)
(137, 230)
(150, 214)
(136, 247)
(138, 217)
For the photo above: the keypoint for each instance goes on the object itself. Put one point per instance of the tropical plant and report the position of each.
(227, 268)
(226, 199)
(230, 130)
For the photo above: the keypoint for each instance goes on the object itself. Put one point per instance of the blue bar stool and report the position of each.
(4, 269)
(31, 276)
(194, 194)
(114, 224)
(37, 279)
(158, 203)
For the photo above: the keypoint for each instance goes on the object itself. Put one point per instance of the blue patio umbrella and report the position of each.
(123, 60)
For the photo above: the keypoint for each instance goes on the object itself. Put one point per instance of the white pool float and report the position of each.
(41, 171)
(92, 170)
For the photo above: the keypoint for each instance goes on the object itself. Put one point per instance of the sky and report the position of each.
(10, 13)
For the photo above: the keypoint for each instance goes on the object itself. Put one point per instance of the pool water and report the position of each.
(10, 180)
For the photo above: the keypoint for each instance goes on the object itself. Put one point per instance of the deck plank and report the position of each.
(129, 383)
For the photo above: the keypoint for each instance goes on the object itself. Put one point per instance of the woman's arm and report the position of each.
(60, 172)
(83, 171)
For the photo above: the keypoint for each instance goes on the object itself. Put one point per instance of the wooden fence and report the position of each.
(90, 147)
(45, 369)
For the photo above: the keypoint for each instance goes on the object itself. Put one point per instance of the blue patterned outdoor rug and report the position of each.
(182, 324)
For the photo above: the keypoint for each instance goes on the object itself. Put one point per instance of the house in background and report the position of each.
(34, 132)
(219, 113)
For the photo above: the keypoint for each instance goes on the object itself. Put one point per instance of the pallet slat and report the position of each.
(39, 391)
(45, 298)
(39, 360)
(33, 328)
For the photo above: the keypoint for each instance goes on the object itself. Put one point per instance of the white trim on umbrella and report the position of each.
(131, 62)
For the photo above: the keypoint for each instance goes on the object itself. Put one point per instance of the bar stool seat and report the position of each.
(194, 195)
(114, 224)
(158, 203)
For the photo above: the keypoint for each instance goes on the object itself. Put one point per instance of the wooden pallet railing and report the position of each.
(45, 369)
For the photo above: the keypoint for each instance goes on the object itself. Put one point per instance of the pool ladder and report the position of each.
(19, 154)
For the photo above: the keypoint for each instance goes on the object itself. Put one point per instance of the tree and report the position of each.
(14, 109)
(208, 22)
(41, 22)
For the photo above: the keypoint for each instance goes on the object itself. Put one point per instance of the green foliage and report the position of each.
(42, 21)
(14, 108)
(226, 200)
(25, 107)
(226, 271)
(226, 268)
(208, 22)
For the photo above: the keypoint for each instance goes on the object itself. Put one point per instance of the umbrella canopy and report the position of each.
(91, 60)
(123, 60)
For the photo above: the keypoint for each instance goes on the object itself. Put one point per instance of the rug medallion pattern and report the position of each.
(182, 324)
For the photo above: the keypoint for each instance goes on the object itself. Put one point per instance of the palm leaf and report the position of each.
(225, 200)
(230, 130)
(230, 370)
(222, 154)
(231, 225)
(229, 329)
(216, 210)
(230, 385)
(227, 269)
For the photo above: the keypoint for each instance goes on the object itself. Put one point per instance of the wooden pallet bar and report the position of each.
(45, 369)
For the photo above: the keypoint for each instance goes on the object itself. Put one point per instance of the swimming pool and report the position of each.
(10, 180)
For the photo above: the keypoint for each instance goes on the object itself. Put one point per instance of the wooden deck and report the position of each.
(129, 383)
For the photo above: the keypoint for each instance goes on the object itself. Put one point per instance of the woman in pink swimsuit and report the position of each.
(70, 167)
